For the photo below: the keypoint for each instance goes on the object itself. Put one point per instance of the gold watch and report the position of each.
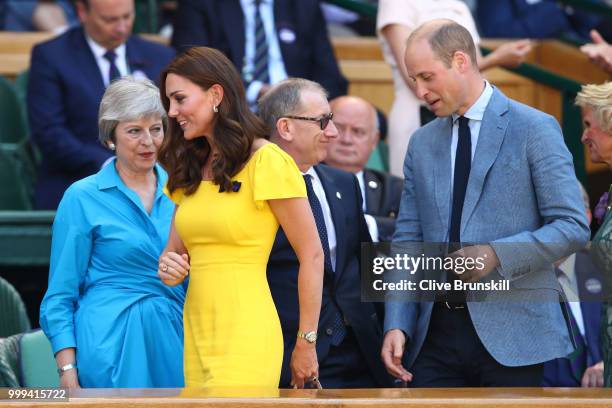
(310, 336)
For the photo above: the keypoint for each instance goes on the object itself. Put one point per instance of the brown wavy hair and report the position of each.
(235, 126)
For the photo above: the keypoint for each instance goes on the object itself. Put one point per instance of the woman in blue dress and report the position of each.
(110, 320)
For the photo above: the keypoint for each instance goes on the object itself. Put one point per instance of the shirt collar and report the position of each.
(477, 110)
(99, 51)
(108, 177)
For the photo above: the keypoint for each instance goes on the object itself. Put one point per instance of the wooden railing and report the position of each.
(379, 398)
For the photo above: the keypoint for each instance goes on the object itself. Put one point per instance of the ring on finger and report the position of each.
(163, 267)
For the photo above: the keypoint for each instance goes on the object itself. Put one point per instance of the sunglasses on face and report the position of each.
(323, 120)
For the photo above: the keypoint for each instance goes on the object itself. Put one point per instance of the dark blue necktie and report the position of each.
(338, 328)
(113, 72)
(260, 62)
(578, 359)
(463, 164)
(317, 212)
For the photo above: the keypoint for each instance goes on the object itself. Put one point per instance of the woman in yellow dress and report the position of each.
(232, 189)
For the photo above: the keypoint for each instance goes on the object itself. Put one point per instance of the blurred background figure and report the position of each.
(37, 15)
(396, 20)
(266, 40)
(533, 19)
(596, 104)
(111, 322)
(581, 283)
(599, 51)
(358, 135)
(68, 75)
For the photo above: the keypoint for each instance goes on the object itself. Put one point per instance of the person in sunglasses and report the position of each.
(300, 121)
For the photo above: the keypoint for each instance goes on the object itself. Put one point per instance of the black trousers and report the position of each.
(345, 366)
(453, 356)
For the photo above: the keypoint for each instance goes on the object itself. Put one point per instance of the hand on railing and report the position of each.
(513, 54)
(599, 51)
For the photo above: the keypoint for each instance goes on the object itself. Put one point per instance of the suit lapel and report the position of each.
(442, 171)
(373, 191)
(490, 138)
(233, 24)
(338, 216)
(86, 61)
(136, 60)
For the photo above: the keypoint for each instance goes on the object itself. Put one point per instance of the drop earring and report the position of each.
(111, 146)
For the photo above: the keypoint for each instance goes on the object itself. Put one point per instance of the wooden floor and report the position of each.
(430, 398)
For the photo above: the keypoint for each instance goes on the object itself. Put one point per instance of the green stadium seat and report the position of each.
(17, 177)
(36, 361)
(379, 159)
(13, 128)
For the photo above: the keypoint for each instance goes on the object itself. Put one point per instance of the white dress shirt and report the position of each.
(329, 223)
(474, 114)
(569, 283)
(370, 220)
(103, 64)
(276, 66)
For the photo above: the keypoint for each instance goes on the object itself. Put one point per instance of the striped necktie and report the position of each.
(260, 62)
(113, 72)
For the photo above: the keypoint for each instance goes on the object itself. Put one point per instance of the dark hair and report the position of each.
(235, 126)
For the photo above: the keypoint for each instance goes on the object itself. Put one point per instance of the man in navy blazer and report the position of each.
(349, 331)
(587, 302)
(68, 76)
(300, 32)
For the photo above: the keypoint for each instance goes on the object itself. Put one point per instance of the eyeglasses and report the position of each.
(323, 120)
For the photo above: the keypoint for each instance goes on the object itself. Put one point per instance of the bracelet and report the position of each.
(65, 368)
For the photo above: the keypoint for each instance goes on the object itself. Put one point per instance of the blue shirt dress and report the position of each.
(104, 295)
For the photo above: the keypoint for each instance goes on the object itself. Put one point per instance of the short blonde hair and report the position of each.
(599, 99)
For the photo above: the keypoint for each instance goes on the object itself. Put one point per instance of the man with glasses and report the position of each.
(358, 136)
(349, 332)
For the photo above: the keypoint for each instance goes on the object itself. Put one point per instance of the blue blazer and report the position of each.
(341, 289)
(220, 24)
(64, 92)
(558, 372)
(523, 199)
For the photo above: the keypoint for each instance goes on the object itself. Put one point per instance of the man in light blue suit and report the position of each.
(493, 172)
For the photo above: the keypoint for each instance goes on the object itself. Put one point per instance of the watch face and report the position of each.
(311, 337)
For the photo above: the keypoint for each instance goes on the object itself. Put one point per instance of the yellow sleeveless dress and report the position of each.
(233, 335)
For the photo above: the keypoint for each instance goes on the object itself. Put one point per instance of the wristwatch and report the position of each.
(65, 368)
(310, 336)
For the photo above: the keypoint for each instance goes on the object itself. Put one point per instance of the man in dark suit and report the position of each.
(266, 42)
(582, 284)
(68, 75)
(298, 114)
(358, 135)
